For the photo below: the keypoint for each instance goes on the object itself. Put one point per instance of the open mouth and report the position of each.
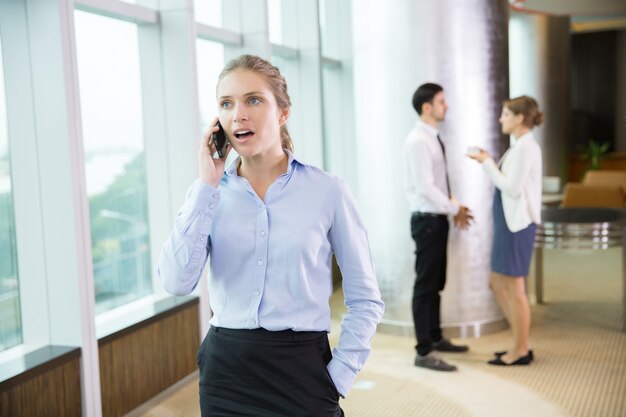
(243, 134)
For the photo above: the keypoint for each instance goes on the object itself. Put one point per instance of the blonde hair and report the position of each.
(275, 80)
(526, 106)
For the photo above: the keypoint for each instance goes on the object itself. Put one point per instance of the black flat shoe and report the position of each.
(503, 352)
(524, 360)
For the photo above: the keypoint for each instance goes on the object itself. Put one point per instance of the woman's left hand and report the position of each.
(481, 156)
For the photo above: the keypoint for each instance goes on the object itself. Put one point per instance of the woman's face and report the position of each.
(510, 121)
(249, 114)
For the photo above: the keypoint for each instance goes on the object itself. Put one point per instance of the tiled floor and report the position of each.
(580, 366)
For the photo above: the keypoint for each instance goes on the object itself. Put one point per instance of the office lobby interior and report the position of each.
(103, 104)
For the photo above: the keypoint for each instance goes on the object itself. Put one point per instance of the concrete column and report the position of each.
(462, 46)
(539, 59)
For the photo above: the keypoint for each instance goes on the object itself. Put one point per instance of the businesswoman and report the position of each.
(516, 213)
(269, 224)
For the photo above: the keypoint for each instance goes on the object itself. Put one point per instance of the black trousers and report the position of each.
(260, 373)
(430, 233)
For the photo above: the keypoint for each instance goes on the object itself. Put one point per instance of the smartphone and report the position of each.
(220, 141)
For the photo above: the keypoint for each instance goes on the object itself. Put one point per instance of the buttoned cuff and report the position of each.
(203, 198)
(342, 376)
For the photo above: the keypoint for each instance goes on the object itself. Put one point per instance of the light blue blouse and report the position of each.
(271, 260)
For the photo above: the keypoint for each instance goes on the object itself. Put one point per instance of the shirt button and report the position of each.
(211, 205)
(257, 292)
(253, 321)
(262, 234)
(214, 196)
(260, 262)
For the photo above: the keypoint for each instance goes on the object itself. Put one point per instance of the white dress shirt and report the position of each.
(519, 181)
(271, 259)
(425, 172)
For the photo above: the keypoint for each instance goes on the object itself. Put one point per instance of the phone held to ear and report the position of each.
(220, 141)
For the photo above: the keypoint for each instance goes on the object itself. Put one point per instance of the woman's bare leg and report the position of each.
(519, 310)
(498, 289)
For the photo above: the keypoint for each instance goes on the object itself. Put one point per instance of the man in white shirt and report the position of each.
(430, 199)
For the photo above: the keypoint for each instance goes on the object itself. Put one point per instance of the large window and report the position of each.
(10, 318)
(274, 21)
(111, 110)
(210, 58)
(208, 12)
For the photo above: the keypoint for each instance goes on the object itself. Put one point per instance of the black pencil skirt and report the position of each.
(266, 374)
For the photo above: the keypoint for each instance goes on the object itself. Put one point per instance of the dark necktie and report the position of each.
(445, 164)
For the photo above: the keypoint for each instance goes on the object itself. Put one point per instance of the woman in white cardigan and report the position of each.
(516, 213)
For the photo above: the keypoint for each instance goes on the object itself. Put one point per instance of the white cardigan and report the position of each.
(519, 182)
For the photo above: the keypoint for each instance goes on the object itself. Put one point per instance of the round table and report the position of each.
(580, 228)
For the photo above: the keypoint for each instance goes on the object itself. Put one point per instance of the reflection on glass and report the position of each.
(210, 61)
(10, 318)
(335, 157)
(210, 58)
(280, 63)
(323, 27)
(330, 13)
(275, 21)
(208, 12)
(287, 68)
(111, 111)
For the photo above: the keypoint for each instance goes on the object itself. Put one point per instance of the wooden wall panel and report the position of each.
(142, 361)
(55, 392)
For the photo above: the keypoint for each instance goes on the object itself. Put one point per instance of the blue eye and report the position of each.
(226, 105)
(254, 100)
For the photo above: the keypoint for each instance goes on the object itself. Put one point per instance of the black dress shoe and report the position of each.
(444, 345)
(503, 352)
(524, 360)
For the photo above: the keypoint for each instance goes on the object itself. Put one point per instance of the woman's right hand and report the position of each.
(211, 170)
(480, 156)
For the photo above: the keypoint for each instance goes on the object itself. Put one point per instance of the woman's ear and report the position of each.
(283, 116)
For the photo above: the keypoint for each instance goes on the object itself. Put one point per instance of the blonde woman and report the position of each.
(270, 224)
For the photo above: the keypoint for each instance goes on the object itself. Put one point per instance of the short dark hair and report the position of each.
(425, 94)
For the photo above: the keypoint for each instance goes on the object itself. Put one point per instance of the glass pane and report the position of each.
(275, 20)
(210, 58)
(289, 69)
(330, 13)
(282, 64)
(111, 110)
(323, 27)
(208, 12)
(10, 318)
(331, 89)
